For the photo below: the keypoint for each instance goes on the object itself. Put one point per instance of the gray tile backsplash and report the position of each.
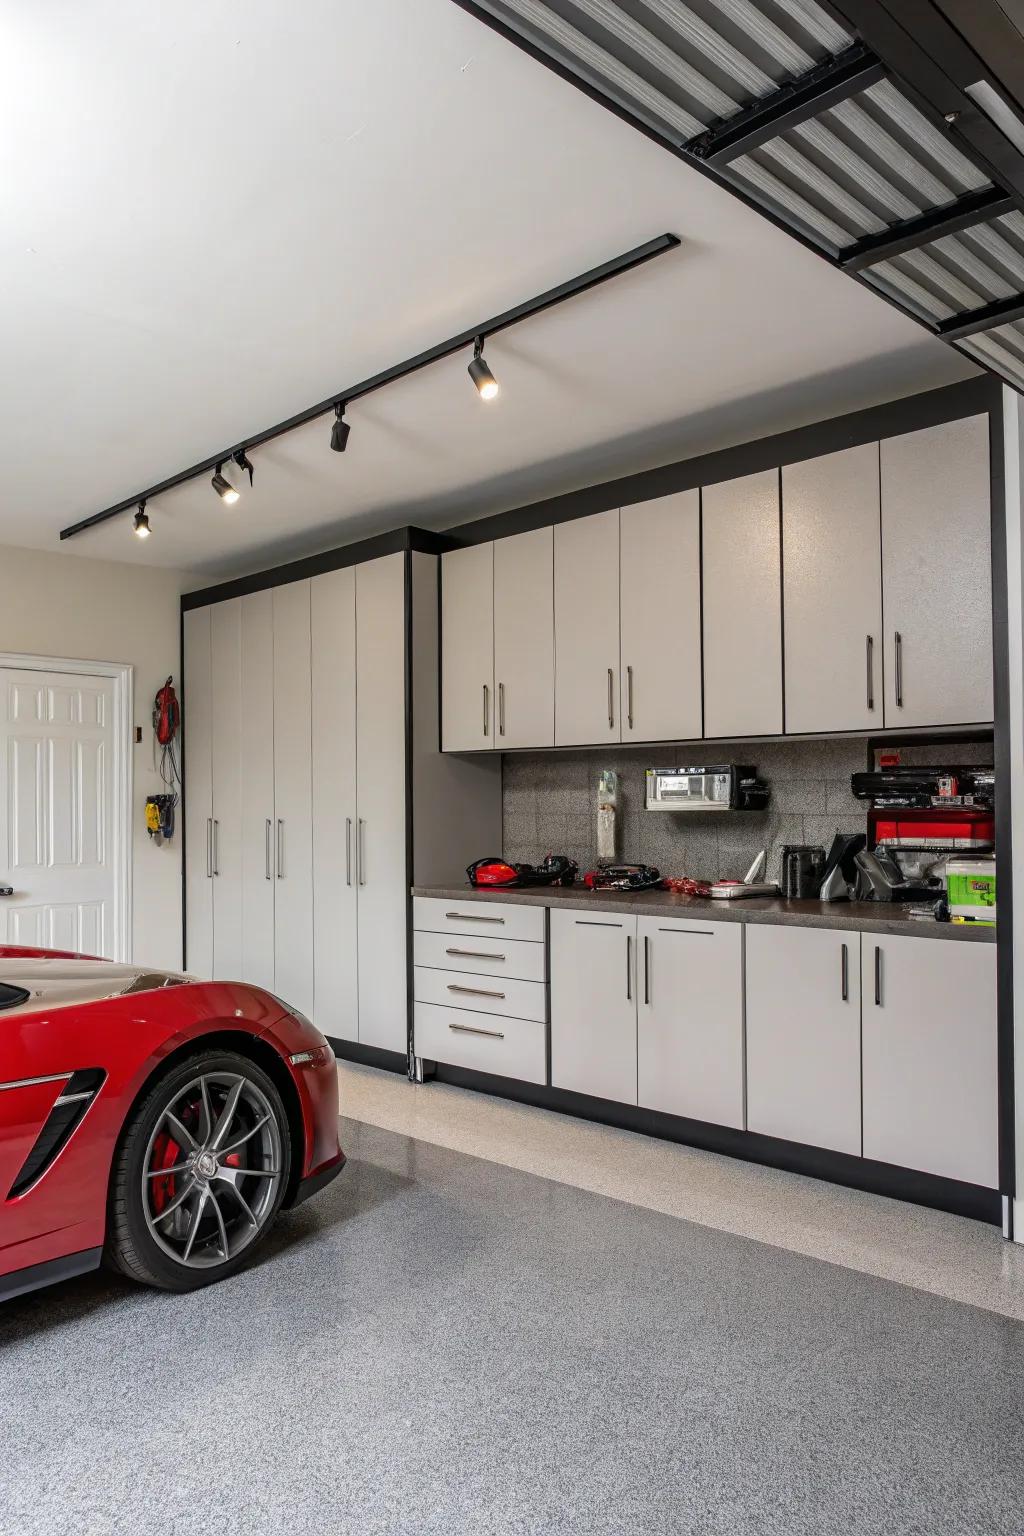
(549, 802)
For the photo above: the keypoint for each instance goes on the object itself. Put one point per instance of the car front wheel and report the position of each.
(200, 1173)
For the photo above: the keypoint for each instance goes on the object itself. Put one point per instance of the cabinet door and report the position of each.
(930, 1076)
(659, 581)
(197, 727)
(293, 800)
(257, 796)
(524, 639)
(832, 585)
(803, 1035)
(690, 1027)
(742, 607)
(936, 575)
(593, 1005)
(333, 629)
(381, 858)
(227, 743)
(587, 630)
(467, 649)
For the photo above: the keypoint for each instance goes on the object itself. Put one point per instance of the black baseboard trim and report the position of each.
(33, 1276)
(369, 1055)
(927, 1189)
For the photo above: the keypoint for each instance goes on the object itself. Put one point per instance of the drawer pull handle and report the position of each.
(870, 648)
(611, 700)
(844, 973)
(464, 917)
(474, 991)
(899, 669)
(475, 954)
(468, 1029)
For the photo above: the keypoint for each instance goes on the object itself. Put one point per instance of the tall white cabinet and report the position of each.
(299, 750)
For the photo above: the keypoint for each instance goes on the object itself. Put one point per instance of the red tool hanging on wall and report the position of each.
(166, 722)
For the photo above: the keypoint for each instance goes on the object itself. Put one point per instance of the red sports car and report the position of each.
(151, 1119)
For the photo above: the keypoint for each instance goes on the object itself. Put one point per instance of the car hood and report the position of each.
(29, 986)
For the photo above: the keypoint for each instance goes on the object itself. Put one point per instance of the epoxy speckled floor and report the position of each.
(440, 1344)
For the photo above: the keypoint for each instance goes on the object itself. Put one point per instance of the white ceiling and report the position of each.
(215, 213)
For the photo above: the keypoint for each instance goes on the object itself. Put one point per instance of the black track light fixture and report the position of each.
(341, 429)
(142, 528)
(483, 378)
(225, 490)
(241, 458)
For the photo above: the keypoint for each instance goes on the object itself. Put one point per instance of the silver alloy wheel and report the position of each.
(222, 1184)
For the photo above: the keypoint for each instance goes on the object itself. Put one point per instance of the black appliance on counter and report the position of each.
(803, 868)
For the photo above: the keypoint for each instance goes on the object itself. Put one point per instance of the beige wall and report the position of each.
(54, 604)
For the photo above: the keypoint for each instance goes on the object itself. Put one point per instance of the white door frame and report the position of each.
(122, 676)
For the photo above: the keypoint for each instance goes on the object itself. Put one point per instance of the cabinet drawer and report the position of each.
(507, 1047)
(482, 994)
(493, 956)
(480, 919)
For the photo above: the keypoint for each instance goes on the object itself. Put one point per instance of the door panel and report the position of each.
(936, 575)
(226, 754)
(467, 648)
(587, 630)
(293, 797)
(197, 733)
(593, 1005)
(381, 854)
(335, 950)
(660, 670)
(930, 1074)
(742, 606)
(803, 1036)
(524, 639)
(832, 578)
(690, 1028)
(57, 843)
(257, 792)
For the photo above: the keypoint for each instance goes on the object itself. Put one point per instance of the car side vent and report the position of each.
(60, 1125)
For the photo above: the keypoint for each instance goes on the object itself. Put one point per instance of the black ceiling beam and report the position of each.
(822, 87)
(570, 289)
(908, 234)
(971, 321)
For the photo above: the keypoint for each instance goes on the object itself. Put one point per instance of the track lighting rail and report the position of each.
(344, 397)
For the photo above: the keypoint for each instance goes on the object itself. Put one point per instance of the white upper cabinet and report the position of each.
(293, 795)
(832, 584)
(467, 649)
(742, 607)
(587, 630)
(524, 640)
(936, 575)
(659, 648)
(335, 967)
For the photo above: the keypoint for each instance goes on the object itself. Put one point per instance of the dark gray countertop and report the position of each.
(860, 916)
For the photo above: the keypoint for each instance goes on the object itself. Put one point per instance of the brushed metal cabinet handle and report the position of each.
(844, 974)
(474, 991)
(629, 967)
(611, 701)
(870, 649)
(463, 917)
(487, 710)
(216, 846)
(361, 850)
(647, 970)
(899, 669)
(280, 848)
(475, 954)
(878, 976)
(209, 847)
(629, 697)
(268, 873)
(348, 850)
(468, 1029)
(501, 709)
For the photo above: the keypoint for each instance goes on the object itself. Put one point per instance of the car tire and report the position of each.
(216, 1122)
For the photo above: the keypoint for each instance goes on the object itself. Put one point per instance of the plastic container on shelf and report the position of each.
(607, 816)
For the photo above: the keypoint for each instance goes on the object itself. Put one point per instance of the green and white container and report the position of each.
(971, 890)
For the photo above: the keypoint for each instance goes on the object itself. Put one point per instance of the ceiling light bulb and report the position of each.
(483, 378)
(340, 429)
(142, 527)
(225, 490)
